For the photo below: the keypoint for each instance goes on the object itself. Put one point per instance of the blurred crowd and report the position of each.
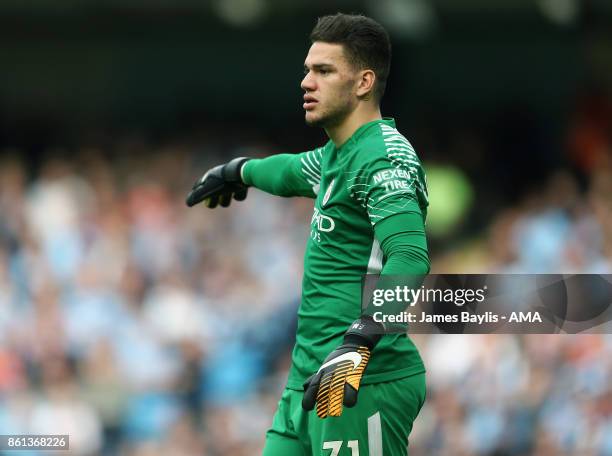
(533, 394)
(132, 323)
(141, 327)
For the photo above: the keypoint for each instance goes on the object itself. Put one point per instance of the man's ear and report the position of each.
(365, 84)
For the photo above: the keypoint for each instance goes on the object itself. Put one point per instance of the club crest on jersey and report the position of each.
(328, 192)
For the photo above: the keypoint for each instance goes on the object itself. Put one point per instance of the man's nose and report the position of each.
(308, 82)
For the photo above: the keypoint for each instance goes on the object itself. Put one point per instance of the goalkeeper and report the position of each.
(370, 201)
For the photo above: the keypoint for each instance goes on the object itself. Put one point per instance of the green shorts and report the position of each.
(378, 425)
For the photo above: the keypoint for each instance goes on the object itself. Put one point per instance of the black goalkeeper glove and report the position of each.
(219, 185)
(336, 383)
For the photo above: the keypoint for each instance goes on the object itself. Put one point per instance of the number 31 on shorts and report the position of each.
(335, 446)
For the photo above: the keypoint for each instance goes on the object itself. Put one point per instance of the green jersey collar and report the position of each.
(390, 121)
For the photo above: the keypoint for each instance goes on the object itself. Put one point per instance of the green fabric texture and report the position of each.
(278, 175)
(405, 249)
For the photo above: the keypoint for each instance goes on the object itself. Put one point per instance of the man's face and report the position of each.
(330, 83)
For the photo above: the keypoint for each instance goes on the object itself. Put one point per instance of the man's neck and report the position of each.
(341, 133)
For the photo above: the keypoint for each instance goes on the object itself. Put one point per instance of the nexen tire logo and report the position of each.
(322, 222)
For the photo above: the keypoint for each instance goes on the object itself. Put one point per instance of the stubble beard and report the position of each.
(331, 117)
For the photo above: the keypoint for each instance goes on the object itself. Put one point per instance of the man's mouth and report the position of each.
(309, 102)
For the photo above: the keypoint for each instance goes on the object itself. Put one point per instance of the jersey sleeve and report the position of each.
(286, 174)
(389, 182)
(404, 244)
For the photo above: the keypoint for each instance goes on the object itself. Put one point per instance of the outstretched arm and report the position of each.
(286, 174)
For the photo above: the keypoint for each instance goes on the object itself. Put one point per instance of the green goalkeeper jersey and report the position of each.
(374, 176)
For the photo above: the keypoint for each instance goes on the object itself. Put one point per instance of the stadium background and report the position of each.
(142, 328)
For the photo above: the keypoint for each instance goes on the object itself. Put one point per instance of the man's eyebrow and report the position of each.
(320, 66)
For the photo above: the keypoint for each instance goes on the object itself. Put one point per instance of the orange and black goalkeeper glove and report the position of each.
(337, 381)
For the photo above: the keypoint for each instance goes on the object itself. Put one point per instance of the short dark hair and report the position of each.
(366, 43)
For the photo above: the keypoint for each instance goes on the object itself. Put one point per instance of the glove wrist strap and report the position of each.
(364, 331)
(232, 170)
